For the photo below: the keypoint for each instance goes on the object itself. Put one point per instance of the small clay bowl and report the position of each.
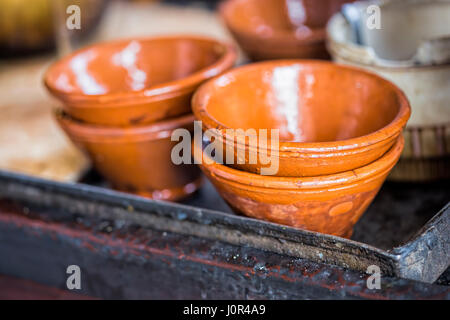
(329, 204)
(138, 159)
(331, 118)
(271, 29)
(136, 81)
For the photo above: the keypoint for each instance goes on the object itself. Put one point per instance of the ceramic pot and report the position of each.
(268, 29)
(420, 68)
(137, 159)
(330, 118)
(311, 13)
(329, 204)
(136, 81)
(29, 26)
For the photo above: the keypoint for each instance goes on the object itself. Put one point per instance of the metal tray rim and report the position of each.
(407, 261)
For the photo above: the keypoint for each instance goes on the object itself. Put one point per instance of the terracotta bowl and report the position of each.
(329, 204)
(136, 81)
(137, 160)
(273, 29)
(330, 118)
(423, 76)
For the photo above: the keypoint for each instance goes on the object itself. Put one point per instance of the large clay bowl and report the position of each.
(267, 29)
(136, 81)
(329, 204)
(331, 118)
(138, 159)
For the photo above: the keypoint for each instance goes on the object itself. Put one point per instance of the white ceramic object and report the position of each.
(420, 68)
(410, 32)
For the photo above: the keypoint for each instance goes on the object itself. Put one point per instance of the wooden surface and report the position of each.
(30, 140)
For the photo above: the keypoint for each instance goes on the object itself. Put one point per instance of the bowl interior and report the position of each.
(132, 65)
(307, 102)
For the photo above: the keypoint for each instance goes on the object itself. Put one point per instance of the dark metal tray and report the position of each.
(100, 220)
(407, 223)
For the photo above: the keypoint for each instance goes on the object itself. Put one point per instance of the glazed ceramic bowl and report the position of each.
(276, 29)
(137, 159)
(330, 118)
(329, 204)
(137, 81)
(420, 68)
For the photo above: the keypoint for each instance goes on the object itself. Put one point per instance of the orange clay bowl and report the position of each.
(329, 204)
(136, 81)
(270, 29)
(330, 118)
(137, 160)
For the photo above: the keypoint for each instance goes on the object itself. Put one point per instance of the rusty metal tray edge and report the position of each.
(424, 258)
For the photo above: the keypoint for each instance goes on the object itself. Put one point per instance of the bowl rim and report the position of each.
(92, 132)
(387, 132)
(328, 183)
(315, 35)
(151, 93)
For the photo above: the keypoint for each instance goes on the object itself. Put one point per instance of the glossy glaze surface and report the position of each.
(330, 118)
(277, 29)
(138, 159)
(329, 204)
(136, 81)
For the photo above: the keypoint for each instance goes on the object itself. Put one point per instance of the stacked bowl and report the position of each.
(335, 134)
(122, 100)
(280, 29)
